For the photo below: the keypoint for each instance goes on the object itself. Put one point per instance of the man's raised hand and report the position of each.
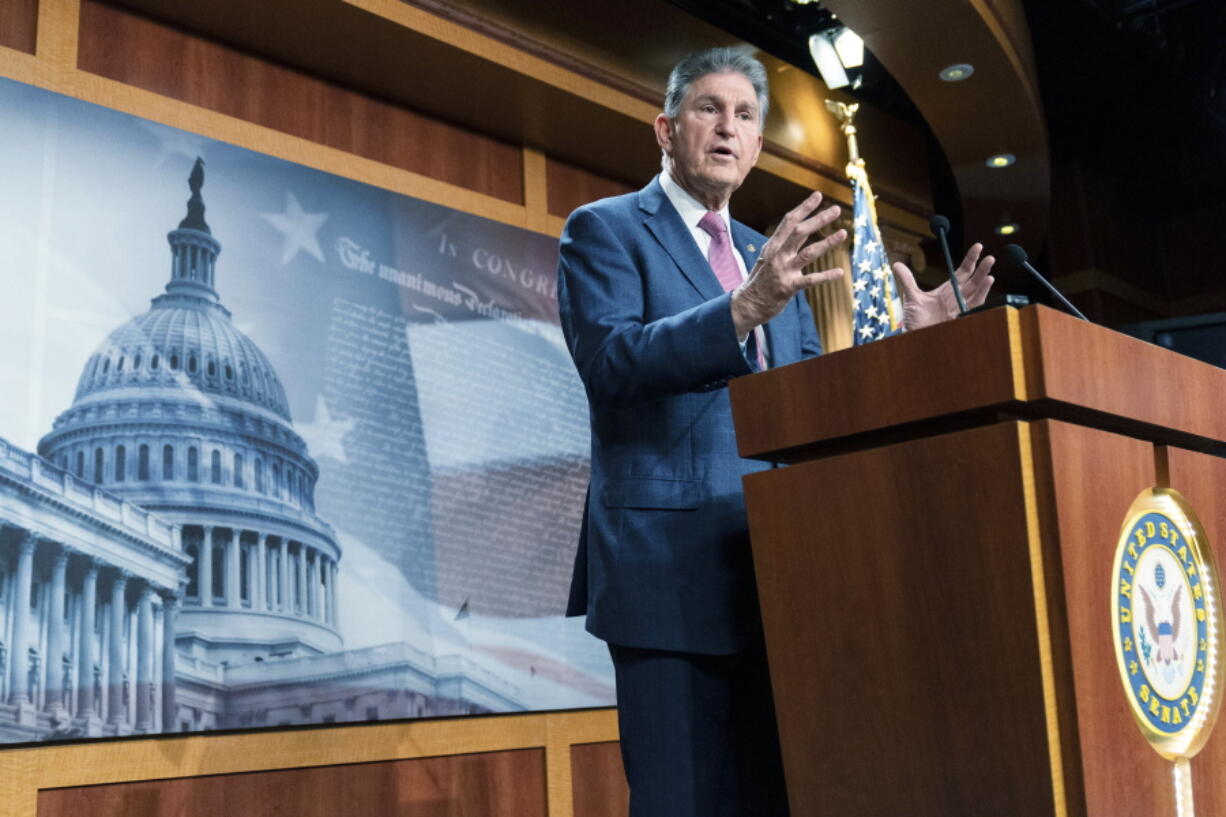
(779, 273)
(920, 308)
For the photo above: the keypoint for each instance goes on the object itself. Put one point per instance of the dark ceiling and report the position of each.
(1135, 89)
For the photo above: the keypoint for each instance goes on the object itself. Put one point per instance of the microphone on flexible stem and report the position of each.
(940, 226)
(1017, 256)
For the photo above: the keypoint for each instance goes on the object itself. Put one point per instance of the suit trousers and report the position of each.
(698, 736)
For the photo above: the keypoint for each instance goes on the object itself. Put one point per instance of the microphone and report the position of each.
(940, 226)
(1017, 256)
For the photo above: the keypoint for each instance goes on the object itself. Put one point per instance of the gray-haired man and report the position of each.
(663, 299)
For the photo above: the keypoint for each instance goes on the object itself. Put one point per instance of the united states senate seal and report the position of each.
(1166, 619)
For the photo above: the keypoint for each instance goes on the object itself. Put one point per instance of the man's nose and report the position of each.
(725, 123)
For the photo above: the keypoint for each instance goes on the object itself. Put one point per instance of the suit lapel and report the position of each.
(665, 224)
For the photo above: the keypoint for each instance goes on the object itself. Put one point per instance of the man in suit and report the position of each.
(663, 299)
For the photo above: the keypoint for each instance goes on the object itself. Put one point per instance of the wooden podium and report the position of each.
(934, 564)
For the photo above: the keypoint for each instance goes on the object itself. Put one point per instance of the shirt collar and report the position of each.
(689, 208)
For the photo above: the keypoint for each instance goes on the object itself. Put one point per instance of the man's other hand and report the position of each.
(920, 308)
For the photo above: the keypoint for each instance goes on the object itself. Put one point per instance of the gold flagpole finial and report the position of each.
(846, 115)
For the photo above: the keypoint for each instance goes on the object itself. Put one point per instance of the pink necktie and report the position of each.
(725, 267)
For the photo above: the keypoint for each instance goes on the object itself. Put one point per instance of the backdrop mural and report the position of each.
(275, 447)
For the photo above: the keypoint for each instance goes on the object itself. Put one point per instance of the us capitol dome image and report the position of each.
(162, 564)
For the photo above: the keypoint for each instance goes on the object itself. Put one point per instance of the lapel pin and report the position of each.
(752, 248)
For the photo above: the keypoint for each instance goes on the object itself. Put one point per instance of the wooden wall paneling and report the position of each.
(1092, 477)
(924, 665)
(138, 51)
(571, 186)
(599, 780)
(495, 784)
(27, 771)
(19, 24)
(1202, 479)
(465, 76)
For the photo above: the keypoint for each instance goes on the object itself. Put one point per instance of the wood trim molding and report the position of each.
(886, 195)
(56, 39)
(167, 111)
(26, 771)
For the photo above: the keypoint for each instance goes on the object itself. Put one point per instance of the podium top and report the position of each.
(1031, 363)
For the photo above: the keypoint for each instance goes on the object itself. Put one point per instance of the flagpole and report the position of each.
(857, 174)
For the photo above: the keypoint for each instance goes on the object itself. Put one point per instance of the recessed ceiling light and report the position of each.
(1001, 160)
(958, 72)
(1008, 228)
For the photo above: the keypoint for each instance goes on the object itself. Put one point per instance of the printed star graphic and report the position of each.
(866, 331)
(883, 316)
(871, 311)
(325, 437)
(859, 285)
(861, 221)
(865, 265)
(299, 228)
(881, 272)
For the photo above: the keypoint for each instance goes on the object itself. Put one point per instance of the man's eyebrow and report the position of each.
(749, 104)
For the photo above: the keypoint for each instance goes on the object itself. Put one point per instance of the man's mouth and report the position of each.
(724, 151)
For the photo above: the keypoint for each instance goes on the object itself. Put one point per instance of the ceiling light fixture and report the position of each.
(1008, 228)
(850, 48)
(1000, 160)
(958, 72)
(821, 49)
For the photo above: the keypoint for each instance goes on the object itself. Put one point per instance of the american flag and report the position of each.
(877, 312)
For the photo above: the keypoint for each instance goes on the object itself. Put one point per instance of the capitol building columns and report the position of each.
(117, 678)
(19, 689)
(253, 570)
(144, 661)
(283, 602)
(170, 616)
(260, 573)
(76, 655)
(58, 637)
(205, 573)
(300, 594)
(86, 682)
(233, 549)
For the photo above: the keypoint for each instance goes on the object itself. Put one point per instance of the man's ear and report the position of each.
(663, 127)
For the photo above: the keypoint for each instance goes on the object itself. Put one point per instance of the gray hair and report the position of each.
(696, 65)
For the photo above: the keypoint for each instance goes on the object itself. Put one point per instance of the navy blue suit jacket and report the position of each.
(664, 560)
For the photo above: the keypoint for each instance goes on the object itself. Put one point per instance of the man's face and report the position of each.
(715, 139)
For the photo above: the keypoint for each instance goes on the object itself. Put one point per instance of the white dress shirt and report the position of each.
(691, 211)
